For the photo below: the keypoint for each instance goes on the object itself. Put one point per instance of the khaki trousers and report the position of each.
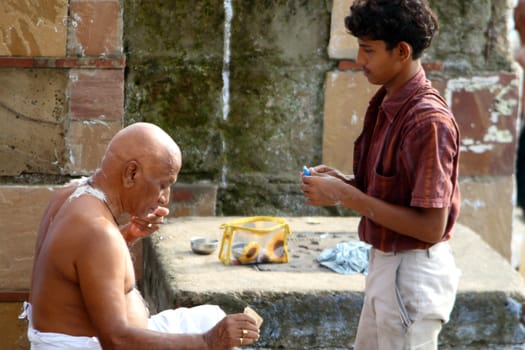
(408, 297)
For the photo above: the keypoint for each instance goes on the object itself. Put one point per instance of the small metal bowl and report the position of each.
(204, 245)
(237, 249)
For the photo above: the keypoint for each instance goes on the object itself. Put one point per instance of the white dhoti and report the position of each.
(197, 319)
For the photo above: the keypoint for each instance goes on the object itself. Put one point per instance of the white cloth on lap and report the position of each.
(197, 319)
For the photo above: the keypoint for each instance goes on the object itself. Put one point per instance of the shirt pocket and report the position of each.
(384, 187)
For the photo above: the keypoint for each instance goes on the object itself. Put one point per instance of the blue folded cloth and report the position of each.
(346, 257)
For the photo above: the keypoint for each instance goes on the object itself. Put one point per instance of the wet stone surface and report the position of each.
(305, 247)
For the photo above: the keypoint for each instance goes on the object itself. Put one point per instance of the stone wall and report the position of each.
(252, 91)
(61, 99)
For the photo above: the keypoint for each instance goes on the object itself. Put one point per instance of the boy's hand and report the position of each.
(326, 170)
(323, 190)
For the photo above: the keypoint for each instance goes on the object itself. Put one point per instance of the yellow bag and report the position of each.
(254, 240)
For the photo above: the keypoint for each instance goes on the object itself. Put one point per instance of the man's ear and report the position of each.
(404, 50)
(130, 173)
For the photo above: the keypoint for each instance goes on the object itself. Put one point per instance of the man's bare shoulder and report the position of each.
(81, 226)
(89, 211)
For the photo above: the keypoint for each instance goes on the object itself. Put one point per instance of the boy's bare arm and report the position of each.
(425, 224)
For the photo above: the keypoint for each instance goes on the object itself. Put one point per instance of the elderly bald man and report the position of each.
(83, 292)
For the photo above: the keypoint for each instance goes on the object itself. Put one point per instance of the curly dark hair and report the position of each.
(393, 21)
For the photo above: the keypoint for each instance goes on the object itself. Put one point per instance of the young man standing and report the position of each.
(405, 182)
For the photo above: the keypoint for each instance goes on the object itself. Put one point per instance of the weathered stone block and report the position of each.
(193, 200)
(347, 95)
(190, 116)
(86, 143)
(97, 94)
(150, 32)
(271, 123)
(274, 127)
(486, 109)
(486, 207)
(21, 208)
(342, 44)
(33, 108)
(96, 28)
(33, 27)
(473, 36)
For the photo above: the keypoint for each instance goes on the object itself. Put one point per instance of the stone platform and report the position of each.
(307, 306)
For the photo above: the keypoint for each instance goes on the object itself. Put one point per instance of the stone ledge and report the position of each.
(10, 296)
(320, 309)
(63, 62)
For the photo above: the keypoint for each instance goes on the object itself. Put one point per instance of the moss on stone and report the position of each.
(276, 73)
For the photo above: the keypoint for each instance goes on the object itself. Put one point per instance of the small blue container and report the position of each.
(306, 171)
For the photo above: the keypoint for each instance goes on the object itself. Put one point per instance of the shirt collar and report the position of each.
(394, 103)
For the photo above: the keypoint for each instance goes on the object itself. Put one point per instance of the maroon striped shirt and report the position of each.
(408, 154)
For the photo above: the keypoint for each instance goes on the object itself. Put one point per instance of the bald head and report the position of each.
(143, 142)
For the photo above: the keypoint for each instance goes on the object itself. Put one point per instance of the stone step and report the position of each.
(307, 306)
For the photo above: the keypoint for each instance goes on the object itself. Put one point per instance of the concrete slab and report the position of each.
(307, 306)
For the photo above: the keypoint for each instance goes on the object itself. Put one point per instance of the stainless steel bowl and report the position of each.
(237, 249)
(204, 245)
